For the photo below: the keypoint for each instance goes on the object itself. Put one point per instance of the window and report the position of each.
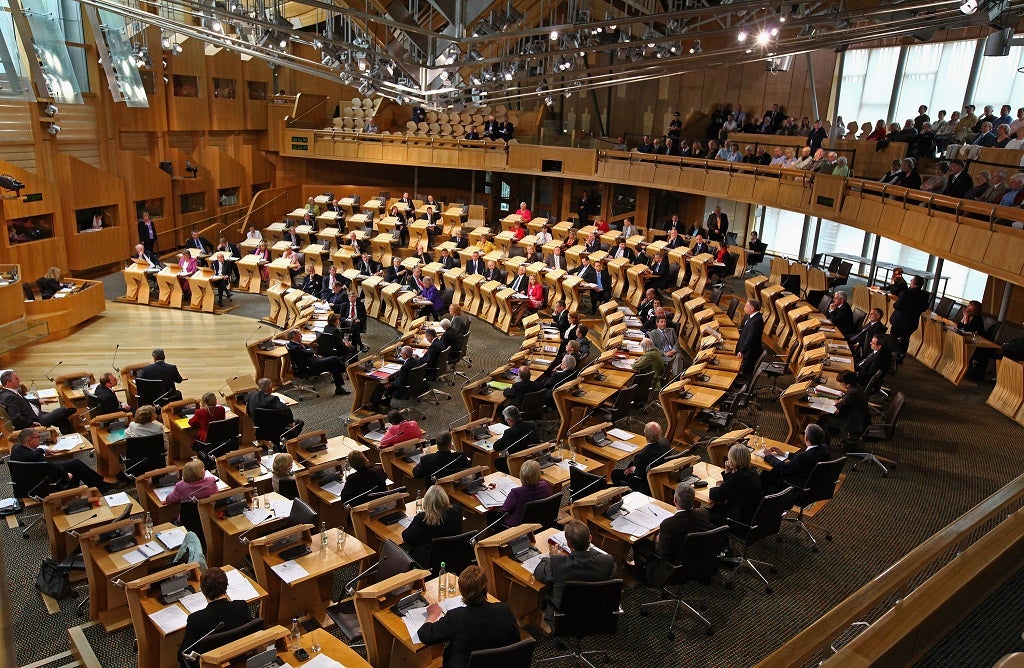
(998, 82)
(94, 219)
(935, 76)
(31, 228)
(193, 202)
(838, 238)
(867, 80)
(224, 89)
(782, 230)
(186, 85)
(227, 197)
(257, 90)
(155, 207)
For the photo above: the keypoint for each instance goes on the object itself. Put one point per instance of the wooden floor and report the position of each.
(207, 349)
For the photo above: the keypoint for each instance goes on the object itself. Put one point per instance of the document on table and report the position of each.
(840, 360)
(289, 571)
(497, 429)
(530, 565)
(620, 434)
(559, 540)
(257, 516)
(374, 436)
(239, 588)
(150, 549)
(134, 557)
(334, 487)
(823, 405)
(170, 619)
(172, 538)
(281, 508)
(828, 391)
(417, 617)
(163, 492)
(65, 443)
(625, 365)
(494, 498)
(194, 602)
(322, 661)
(405, 522)
(622, 445)
(118, 499)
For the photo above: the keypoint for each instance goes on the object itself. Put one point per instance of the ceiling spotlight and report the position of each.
(165, 42)
(53, 129)
(774, 32)
(763, 38)
(50, 110)
(549, 101)
(969, 7)
(741, 36)
(191, 168)
(218, 26)
(553, 35)
(696, 47)
(177, 48)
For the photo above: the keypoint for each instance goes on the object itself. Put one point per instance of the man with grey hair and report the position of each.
(25, 412)
(794, 469)
(651, 360)
(673, 530)
(580, 563)
(805, 160)
(635, 473)
(65, 473)
(841, 315)
(520, 435)
(563, 373)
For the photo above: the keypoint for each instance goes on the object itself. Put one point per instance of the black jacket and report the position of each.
(442, 459)
(798, 466)
(842, 317)
(907, 310)
(749, 343)
(418, 536)
(673, 531)
(519, 390)
(109, 403)
(363, 481)
(162, 371)
(740, 493)
(470, 628)
(518, 437)
(579, 566)
(232, 613)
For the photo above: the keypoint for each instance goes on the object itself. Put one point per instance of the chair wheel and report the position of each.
(24, 535)
(768, 590)
(644, 612)
(814, 548)
(709, 631)
(671, 635)
(773, 571)
(828, 536)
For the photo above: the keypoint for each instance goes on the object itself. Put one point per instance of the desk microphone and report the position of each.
(272, 516)
(112, 366)
(579, 493)
(436, 474)
(220, 390)
(188, 649)
(80, 522)
(88, 412)
(505, 451)
(258, 328)
(47, 374)
(118, 580)
(582, 420)
(350, 585)
(349, 503)
(472, 541)
(457, 420)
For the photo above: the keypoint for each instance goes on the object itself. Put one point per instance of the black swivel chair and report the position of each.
(877, 433)
(393, 561)
(544, 511)
(143, 454)
(310, 377)
(767, 521)
(221, 436)
(456, 552)
(152, 393)
(620, 407)
(417, 385)
(215, 640)
(697, 560)
(583, 484)
(433, 374)
(755, 257)
(820, 486)
(31, 480)
(517, 655)
(188, 517)
(273, 426)
(587, 609)
(944, 307)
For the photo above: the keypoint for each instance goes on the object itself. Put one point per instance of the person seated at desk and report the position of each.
(294, 261)
(531, 489)
(579, 564)
(433, 353)
(396, 273)
(447, 260)
(343, 346)
(563, 373)
(353, 315)
(199, 243)
(853, 414)
(451, 339)
(189, 265)
(459, 239)
(560, 317)
(524, 213)
(144, 423)
(673, 530)
(523, 385)
(655, 452)
(493, 273)
(364, 478)
(108, 401)
(291, 236)
(152, 262)
(262, 254)
(878, 359)
(739, 493)
(970, 320)
(254, 234)
(397, 383)
(475, 265)
(65, 473)
(219, 613)
(674, 240)
(665, 339)
(423, 255)
(794, 469)
(582, 344)
(281, 471)
(438, 519)
(840, 314)
(650, 323)
(431, 294)
(400, 430)
(50, 284)
(222, 274)
(331, 279)
(353, 242)
(486, 244)
(194, 483)
(433, 217)
(659, 273)
(367, 266)
(208, 411)
(534, 301)
(860, 343)
(477, 625)
(167, 374)
(603, 281)
(444, 461)
(650, 361)
(230, 251)
(646, 308)
(471, 133)
(308, 363)
(263, 397)
(312, 282)
(26, 412)
(520, 435)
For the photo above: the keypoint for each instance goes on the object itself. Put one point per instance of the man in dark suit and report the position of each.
(308, 363)
(647, 305)
(108, 401)
(592, 244)
(474, 626)
(878, 359)
(475, 264)
(165, 373)
(675, 240)
(147, 232)
(65, 473)
(794, 469)
(659, 273)
(397, 384)
(520, 435)
(431, 465)
(263, 397)
(312, 283)
(26, 412)
(405, 204)
(367, 266)
(230, 250)
(582, 563)
(585, 271)
(673, 530)
(147, 256)
(330, 280)
(492, 273)
(853, 414)
(433, 354)
(840, 313)
(700, 246)
(959, 181)
(560, 316)
(749, 347)
(556, 260)
(524, 385)
(603, 281)
(448, 260)
(898, 284)
(860, 342)
(459, 239)
(451, 338)
(675, 224)
(635, 474)
(291, 236)
(490, 127)
(199, 243)
(718, 225)
(222, 277)
(353, 315)
(521, 280)
(622, 250)
(219, 615)
(906, 316)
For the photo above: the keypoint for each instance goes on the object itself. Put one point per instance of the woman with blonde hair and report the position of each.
(438, 519)
(208, 411)
(49, 284)
(194, 483)
(144, 423)
(282, 479)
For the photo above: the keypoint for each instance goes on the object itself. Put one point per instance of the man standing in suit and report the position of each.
(65, 473)
(405, 204)
(898, 285)
(635, 474)
(718, 225)
(353, 316)
(581, 563)
(147, 232)
(434, 349)
(749, 347)
(795, 469)
(222, 277)
(840, 313)
(475, 264)
(860, 342)
(959, 181)
(312, 283)
(308, 363)
(26, 412)
(165, 373)
(108, 401)
(906, 316)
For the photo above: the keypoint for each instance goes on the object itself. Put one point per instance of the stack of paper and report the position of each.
(65, 443)
(257, 516)
(194, 602)
(497, 429)
(416, 618)
(172, 538)
(170, 619)
(621, 434)
(334, 487)
(239, 588)
(823, 405)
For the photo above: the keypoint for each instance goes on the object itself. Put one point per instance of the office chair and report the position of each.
(697, 561)
(288, 489)
(274, 426)
(755, 258)
(221, 436)
(304, 375)
(841, 276)
(820, 486)
(877, 433)
(767, 521)
(143, 454)
(393, 561)
(215, 640)
(944, 307)
(583, 484)
(417, 385)
(188, 517)
(433, 374)
(619, 408)
(544, 511)
(151, 392)
(587, 609)
(517, 655)
(30, 480)
(456, 552)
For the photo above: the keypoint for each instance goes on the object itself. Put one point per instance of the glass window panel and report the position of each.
(934, 76)
(52, 51)
(867, 81)
(998, 82)
(782, 230)
(835, 237)
(963, 283)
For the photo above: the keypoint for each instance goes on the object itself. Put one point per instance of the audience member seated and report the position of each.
(144, 423)
(520, 435)
(108, 401)
(65, 473)
(207, 411)
(438, 519)
(634, 475)
(840, 313)
(194, 483)
(263, 397)
(442, 462)
(523, 385)
(673, 530)
(397, 383)
(220, 614)
(364, 479)
(581, 563)
(400, 430)
(532, 488)
(860, 343)
(739, 492)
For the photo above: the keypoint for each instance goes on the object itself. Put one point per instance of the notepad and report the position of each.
(374, 436)
(334, 487)
(289, 571)
(322, 661)
(194, 602)
(150, 549)
(622, 445)
(172, 538)
(497, 429)
(170, 619)
(239, 587)
(66, 443)
(118, 499)
(620, 434)
(498, 385)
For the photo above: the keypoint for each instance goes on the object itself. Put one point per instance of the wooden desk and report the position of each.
(680, 402)
(556, 474)
(387, 640)
(475, 510)
(231, 655)
(481, 453)
(223, 545)
(368, 528)
(310, 593)
(109, 444)
(325, 450)
(269, 359)
(136, 279)
(157, 648)
(582, 440)
(249, 277)
(592, 397)
(609, 538)
(203, 293)
(57, 522)
(170, 287)
(507, 579)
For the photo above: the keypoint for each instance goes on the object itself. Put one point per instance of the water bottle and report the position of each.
(295, 639)
(341, 537)
(419, 502)
(149, 526)
(452, 581)
(323, 535)
(442, 575)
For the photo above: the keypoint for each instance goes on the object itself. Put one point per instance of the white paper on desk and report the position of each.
(322, 661)
(497, 429)
(416, 618)
(633, 321)
(46, 393)
(194, 602)
(823, 405)
(491, 498)
(65, 443)
(405, 522)
(840, 360)
(268, 462)
(416, 458)
(257, 516)
(392, 367)
(163, 492)
(484, 444)
(374, 436)
(279, 342)
(635, 500)
(150, 549)
(334, 487)
(170, 619)
(559, 539)
(625, 365)
(620, 433)
(825, 389)
(172, 538)
(530, 565)
(281, 508)
(635, 334)
(623, 524)
(622, 445)
(221, 485)
(119, 499)
(289, 571)
(239, 588)
(134, 557)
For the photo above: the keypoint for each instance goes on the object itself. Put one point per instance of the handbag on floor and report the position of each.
(53, 580)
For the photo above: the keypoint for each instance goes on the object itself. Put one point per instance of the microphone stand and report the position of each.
(47, 374)
(579, 493)
(241, 536)
(114, 358)
(504, 452)
(435, 474)
(458, 419)
(255, 332)
(472, 541)
(188, 649)
(118, 580)
(220, 390)
(80, 522)
(349, 586)
(349, 503)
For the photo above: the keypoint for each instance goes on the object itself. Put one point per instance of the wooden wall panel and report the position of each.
(35, 257)
(255, 111)
(225, 111)
(144, 180)
(87, 250)
(16, 120)
(186, 112)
